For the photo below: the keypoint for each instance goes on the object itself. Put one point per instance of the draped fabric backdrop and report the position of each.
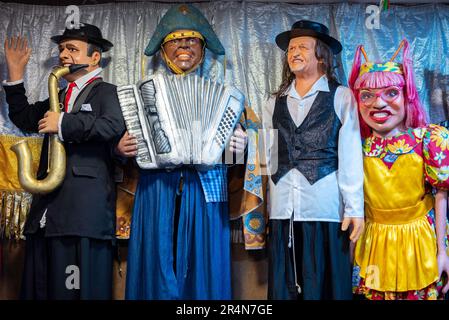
(253, 61)
(247, 31)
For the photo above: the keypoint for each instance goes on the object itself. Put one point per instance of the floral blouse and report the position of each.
(431, 143)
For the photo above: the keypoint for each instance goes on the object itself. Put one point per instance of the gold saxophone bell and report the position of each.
(56, 154)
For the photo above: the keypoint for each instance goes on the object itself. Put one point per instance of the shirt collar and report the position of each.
(81, 82)
(321, 84)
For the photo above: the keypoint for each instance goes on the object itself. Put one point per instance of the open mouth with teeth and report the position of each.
(380, 116)
(183, 56)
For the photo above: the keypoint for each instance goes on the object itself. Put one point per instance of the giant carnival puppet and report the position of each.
(402, 251)
(72, 216)
(317, 190)
(179, 245)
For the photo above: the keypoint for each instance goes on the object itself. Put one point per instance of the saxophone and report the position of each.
(56, 152)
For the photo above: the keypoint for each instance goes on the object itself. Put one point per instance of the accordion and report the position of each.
(180, 119)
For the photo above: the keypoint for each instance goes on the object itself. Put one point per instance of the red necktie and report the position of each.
(69, 91)
(68, 95)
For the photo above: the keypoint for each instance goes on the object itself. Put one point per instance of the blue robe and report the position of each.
(203, 240)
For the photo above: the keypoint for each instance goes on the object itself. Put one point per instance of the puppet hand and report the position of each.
(127, 146)
(443, 266)
(357, 227)
(17, 54)
(239, 140)
(49, 123)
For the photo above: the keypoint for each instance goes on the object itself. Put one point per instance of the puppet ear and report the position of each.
(356, 66)
(417, 116)
(407, 68)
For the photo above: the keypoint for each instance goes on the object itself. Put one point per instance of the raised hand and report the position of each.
(17, 54)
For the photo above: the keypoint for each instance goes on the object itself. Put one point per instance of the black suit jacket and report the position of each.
(84, 205)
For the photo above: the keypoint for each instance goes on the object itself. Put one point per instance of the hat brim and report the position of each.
(283, 39)
(104, 44)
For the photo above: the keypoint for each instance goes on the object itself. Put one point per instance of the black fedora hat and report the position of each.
(86, 32)
(311, 29)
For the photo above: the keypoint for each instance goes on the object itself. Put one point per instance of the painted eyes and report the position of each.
(391, 93)
(387, 94)
(365, 96)
(188, 41)
(70, 49)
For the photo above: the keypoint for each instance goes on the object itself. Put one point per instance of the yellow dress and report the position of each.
(397, 250)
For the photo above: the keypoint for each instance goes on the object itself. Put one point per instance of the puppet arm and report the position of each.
(440, 228)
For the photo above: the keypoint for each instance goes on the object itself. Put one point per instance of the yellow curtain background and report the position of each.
(14, 201)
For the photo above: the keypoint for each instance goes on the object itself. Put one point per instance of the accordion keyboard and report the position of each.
(226, 124)
(129, 102)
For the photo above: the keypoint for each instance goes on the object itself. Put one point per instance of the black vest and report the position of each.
(312, 148)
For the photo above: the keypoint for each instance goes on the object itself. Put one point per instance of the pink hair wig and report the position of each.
(414, 113)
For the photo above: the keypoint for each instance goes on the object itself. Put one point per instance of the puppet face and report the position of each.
(383, 109)
(301, 55)
(75, 52)
(185, 53)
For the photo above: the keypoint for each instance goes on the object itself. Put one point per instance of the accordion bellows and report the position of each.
(180, 119)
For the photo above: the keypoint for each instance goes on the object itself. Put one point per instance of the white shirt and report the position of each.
(337, 195)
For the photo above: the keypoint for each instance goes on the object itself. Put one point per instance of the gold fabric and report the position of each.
(397, 250)
(14, 208)
(14, 201)
(8, 164)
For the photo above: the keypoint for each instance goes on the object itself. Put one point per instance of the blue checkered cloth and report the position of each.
(215, 184)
